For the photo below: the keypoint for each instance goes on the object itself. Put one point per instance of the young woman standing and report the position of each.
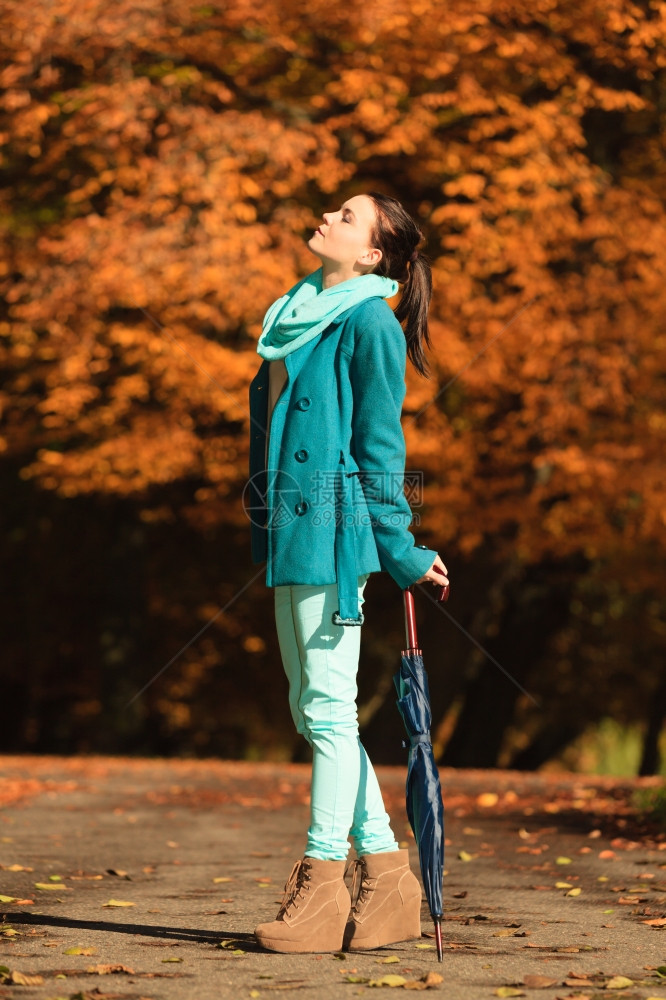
(327, 463)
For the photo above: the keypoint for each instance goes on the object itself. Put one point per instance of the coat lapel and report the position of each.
(295, 361)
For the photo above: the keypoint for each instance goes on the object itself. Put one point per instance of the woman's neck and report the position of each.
(336, 275)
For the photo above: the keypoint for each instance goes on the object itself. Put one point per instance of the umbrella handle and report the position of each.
(410, 619)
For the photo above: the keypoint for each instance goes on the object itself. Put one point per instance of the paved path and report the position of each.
(175, 827)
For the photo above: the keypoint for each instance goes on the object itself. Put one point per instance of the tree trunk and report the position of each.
(528, 608)
(650, 761)
(549, 741)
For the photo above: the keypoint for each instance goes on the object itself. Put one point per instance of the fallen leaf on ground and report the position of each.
(432, 979)
(118, 902)
(487, 799)
(538, 982)
(389, 960)
(22, 979)
(562, 861)
(79, 951)
(508, 991)
(105, 970)
(619, 983)
(388, 981)
(287, 984)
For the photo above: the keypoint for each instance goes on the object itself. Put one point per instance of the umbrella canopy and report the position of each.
(425, 808)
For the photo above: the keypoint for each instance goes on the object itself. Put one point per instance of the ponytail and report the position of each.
(413, 311)
(398, 236)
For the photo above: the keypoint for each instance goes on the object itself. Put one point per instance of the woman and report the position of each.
(327, 462)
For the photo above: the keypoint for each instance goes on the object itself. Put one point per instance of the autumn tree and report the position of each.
(161, 165)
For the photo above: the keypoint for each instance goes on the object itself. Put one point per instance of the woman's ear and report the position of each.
(371, 257)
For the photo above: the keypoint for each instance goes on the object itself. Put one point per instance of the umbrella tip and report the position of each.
(438, 938)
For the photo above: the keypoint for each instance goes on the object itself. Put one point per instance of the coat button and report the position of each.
(303, 403)
(302, 507)
(301, 455)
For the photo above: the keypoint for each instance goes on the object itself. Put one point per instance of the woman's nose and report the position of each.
(326, 216)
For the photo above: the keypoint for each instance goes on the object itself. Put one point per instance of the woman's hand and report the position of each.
(437, 574)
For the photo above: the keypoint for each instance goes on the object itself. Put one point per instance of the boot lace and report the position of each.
(296, 884)
(361, 885)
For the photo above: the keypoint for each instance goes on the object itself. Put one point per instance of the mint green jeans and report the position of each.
(321, 663)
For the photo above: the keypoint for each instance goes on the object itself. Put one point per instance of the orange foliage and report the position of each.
(163, 161)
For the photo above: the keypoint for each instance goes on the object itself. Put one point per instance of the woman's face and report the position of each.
(343, 240)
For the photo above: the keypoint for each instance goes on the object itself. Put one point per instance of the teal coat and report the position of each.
(331, 504)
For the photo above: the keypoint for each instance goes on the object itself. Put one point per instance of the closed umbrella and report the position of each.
(425, 808)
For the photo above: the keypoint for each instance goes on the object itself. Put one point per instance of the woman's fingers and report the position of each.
(437, 574)
(438, 567)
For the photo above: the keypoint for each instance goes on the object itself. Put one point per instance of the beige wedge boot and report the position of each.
(388, 905)
(314, 910)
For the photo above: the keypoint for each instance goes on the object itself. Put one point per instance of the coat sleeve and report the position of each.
(377, 374)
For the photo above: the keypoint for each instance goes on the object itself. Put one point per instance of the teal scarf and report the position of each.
(307, 309)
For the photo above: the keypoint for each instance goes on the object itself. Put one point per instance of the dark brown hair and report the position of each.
(398, 237)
